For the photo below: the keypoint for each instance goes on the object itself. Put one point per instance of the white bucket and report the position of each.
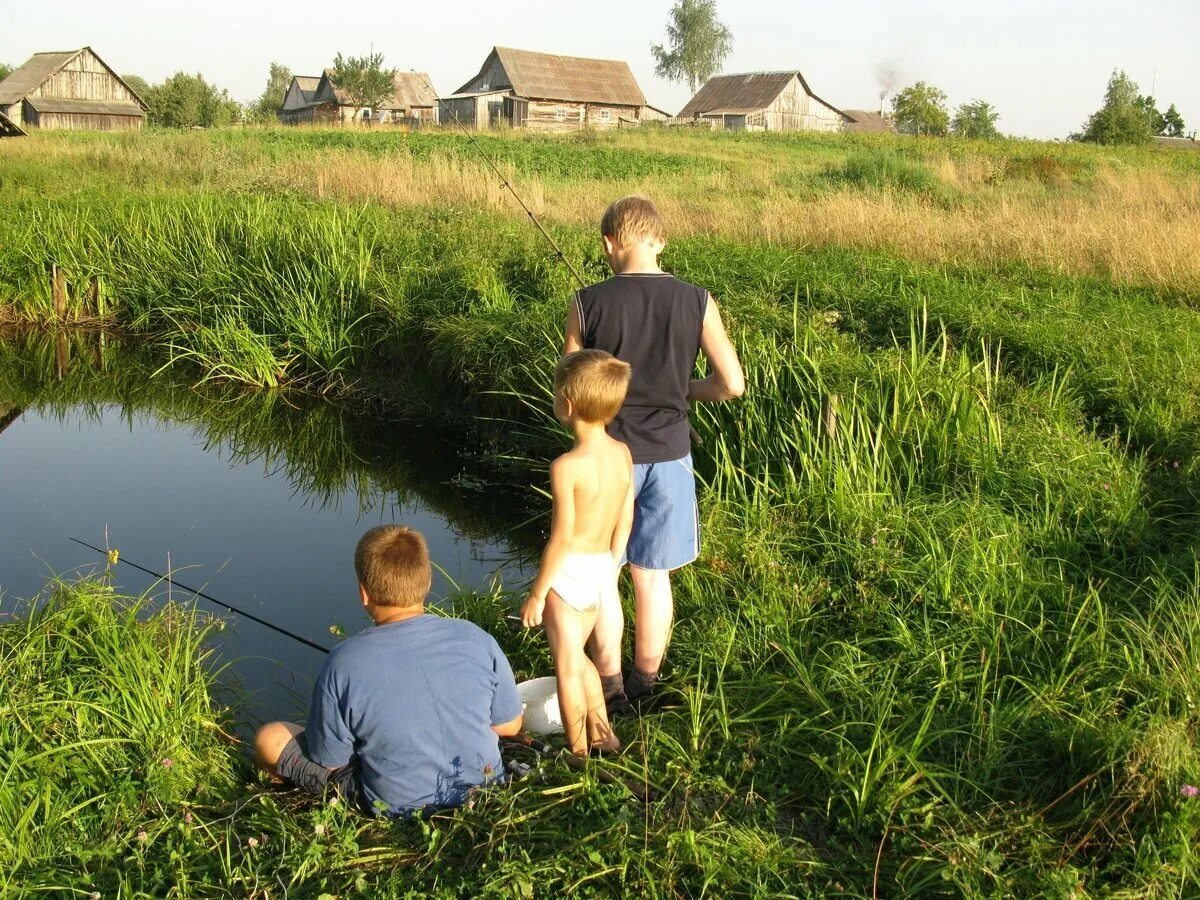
(539, 698)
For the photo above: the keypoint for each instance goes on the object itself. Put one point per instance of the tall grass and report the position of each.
(942, 645)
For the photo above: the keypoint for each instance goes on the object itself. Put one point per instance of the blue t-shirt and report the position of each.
(414, 701)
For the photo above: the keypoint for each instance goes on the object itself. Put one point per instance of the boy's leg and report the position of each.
(567, 631)
(269, 744)
(599, 731)
(606, 645)
(652, 628)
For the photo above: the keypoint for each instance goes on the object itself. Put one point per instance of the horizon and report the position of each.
(1043, 65)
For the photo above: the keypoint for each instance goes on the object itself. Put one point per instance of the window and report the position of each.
(366, 114)
(560, 114)
(605, 115)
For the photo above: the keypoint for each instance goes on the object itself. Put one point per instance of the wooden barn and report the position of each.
(761, 101)
(547, 92)
(312, 98)
(72, 89)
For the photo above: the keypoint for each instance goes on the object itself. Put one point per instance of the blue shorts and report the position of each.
(666, 520)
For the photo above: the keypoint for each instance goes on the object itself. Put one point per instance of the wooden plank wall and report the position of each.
(84, 121)
(84, 78)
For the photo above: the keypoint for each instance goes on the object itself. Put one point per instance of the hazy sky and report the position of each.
(1043, 63)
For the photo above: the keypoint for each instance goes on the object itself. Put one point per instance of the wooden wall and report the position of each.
(795, 110)
(82, 121)
(83, 78)
(492, 78)
(561, 116)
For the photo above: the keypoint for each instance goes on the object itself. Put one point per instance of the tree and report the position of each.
(184, 101)
(366, 83)
(5, 70)
(140, 86)
(1122, 119)
(266, 107)
(699, 44)
(921, 109)
(976, 119)
(1172, 122)
(1150, 108)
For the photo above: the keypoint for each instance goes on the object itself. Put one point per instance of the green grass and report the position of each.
(949, 648)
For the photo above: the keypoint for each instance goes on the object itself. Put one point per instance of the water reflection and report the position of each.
(257, 498)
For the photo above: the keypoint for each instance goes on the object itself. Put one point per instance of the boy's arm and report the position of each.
(620, 536)
(562, 526)
(574, 330)
(727, 380)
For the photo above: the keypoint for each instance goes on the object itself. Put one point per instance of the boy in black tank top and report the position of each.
(659, 325)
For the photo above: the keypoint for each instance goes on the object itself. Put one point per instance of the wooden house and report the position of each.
(547, 92)
(300, 94)
(72, 89)
(864, 121)
(761, 101)
(312, 98)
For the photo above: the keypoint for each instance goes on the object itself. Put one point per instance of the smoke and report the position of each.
(887, 75)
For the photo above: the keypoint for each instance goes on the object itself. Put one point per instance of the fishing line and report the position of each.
(183, 587)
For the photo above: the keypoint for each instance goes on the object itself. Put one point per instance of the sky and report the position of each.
(1042, 63)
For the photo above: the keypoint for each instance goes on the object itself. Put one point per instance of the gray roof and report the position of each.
(89, 107)
(863, 121)
(744, 93)
(29, 77)
(572, 79)
(412, 89)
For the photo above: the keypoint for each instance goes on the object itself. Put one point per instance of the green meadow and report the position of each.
(942, 639)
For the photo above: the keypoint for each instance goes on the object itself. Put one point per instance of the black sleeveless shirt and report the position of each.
(653, 322)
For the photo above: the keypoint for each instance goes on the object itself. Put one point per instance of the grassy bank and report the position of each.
(948, 648)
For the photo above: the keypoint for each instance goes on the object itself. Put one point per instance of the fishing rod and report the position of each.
(507, 184)
(541, 748)
(692, 432)
(183, 587)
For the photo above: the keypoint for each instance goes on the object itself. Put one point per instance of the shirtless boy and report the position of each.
(591, 487)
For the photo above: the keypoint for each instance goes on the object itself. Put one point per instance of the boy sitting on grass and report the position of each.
(406, 716)
(591, 487)
(659, 325)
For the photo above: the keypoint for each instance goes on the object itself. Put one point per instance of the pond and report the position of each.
(257, 499)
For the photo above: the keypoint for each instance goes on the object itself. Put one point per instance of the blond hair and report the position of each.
(594, 381)
(631, 220)
(392, 564)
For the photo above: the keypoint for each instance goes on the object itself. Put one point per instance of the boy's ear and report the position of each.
(610, 246)
(362, 592)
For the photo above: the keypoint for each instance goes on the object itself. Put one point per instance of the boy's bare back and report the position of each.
(596, 476)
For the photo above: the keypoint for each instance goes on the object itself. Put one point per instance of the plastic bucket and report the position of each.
(539, 698)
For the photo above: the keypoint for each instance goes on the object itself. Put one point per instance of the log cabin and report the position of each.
(70, 89)
(548, 92)
(761, 101)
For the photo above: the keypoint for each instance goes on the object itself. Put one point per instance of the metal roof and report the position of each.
(89, 107)
(744, 93)
(572, 79)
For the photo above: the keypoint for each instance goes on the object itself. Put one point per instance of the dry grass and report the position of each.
(1129, 224)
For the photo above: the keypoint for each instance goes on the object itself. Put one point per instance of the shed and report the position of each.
(762, 101)
(317, 98)
(70, 89)
(1176, 143)
(864, 121)
(547, 92)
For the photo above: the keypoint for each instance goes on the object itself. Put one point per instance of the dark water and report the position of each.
(254, 499)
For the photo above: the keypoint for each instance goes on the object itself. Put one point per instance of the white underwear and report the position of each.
(587, 580)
